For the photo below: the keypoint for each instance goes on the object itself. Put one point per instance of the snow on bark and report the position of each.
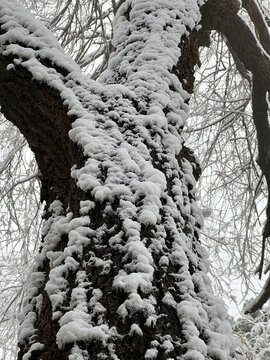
(142, 249)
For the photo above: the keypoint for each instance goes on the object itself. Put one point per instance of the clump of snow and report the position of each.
(26, 329)
(86, 206)
(151, 354)
(78, 354)
(135, 330)
(34, 347)
(74, 326)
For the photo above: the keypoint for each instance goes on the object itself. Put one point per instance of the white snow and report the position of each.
(34, 347)
(151, 354)
(135, 330)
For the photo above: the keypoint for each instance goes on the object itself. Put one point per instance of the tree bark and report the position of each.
(121, 272)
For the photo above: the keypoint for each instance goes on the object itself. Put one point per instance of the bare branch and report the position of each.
(261, 299)
(223, 17)
(253, 9)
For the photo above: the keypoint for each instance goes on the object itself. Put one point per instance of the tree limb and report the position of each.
(260, 300)
(31, 77)
(222, 16)
(257, 18)
(253, 54)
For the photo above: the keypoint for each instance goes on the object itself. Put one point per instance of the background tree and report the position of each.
(232, 185)
(253, 332)
(225, 14)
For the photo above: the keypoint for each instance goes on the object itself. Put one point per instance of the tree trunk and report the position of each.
(121, 273)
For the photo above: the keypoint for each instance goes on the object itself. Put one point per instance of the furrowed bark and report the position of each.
(38, 111)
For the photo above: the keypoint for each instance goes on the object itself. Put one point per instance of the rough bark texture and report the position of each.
(38, 112)
(178, 283)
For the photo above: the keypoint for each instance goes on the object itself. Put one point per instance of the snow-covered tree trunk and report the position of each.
(121, 273)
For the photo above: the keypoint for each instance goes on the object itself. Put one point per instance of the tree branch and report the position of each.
(253, 55)
(222, 16)
(260, 300)
(260, 117)
(257, 18)
(20, 181)
(33, 71)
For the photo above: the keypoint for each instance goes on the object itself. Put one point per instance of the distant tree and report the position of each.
(232, 186)
(121, 269)
(254, 334)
